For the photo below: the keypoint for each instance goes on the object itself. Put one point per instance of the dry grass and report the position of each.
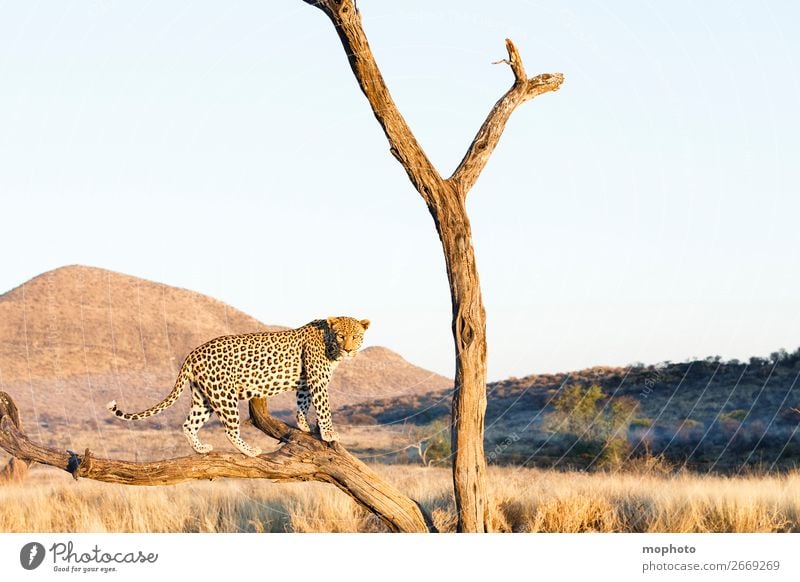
(52, 502)
(624, 502)
(527, 500)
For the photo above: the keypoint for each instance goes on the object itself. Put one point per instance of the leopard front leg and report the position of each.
(303, 403)
(318, 369)
(322, 405)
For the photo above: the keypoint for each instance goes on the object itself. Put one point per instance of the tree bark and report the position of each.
(445, 199)
(301, 457)
(15, 469)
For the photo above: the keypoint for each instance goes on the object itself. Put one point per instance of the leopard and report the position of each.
(230, 368)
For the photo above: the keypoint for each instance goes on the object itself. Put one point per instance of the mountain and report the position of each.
(76, 337)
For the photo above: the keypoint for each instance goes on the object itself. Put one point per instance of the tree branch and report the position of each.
(301, 457)
(15, 469)
(403, 145)
(482, 146)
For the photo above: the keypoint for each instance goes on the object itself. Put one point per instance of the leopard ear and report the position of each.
(332, 321)
(364, 323)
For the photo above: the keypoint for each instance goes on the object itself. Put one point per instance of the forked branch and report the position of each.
(403, 144)
(301, 457)
(446, 203)
(484, 142)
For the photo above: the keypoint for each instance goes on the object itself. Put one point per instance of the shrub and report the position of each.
(431, 442)
(362, 419)
(597, 424)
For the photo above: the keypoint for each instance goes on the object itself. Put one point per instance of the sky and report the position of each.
(647, 211)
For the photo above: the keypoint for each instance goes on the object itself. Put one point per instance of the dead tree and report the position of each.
(446, 201)
(300, 457)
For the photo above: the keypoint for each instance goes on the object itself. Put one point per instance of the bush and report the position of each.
(431, 442)
(597, 424)
(738, 415)
(362, 419)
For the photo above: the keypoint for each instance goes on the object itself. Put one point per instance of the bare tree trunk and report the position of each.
(469, 397)
(446, 200)
(301, 457)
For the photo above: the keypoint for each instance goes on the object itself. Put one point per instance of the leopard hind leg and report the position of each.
(228, 412)
(198, 415)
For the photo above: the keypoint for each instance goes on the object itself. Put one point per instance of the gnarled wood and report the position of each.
(301, 457)
(445, 200)
(15, 469)
(403, 144)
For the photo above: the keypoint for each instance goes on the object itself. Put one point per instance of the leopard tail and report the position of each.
(183, 376)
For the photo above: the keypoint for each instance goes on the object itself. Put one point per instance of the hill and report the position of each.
(76, 337)
(706, 414)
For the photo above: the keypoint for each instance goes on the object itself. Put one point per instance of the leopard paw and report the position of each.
(302, 423)
(250, 451)
(329, 435)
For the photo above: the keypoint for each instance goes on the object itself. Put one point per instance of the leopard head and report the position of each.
(345, 336)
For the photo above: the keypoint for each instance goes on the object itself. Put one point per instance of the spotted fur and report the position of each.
(240, 367)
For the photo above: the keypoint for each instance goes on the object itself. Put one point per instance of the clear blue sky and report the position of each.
(647, 211)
